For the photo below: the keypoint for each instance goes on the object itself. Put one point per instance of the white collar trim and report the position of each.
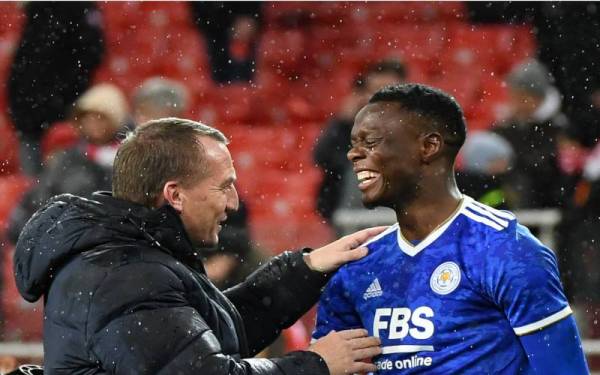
(412, 250)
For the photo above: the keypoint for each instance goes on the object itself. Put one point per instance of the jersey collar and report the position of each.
(412, 250)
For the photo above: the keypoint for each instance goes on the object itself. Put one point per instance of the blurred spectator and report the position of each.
(558, 27)
(486, 160)
(158, 98)
(580, 229)
(60, 48)
(234, 258)
(534, 129)
(339, 187)
(98, 115)
(231, 30)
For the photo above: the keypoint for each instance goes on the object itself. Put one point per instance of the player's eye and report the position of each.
(372, 143)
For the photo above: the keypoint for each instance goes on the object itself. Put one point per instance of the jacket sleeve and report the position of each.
(275, 296)
(150, 328)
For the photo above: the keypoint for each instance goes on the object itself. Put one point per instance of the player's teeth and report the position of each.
(363, 175)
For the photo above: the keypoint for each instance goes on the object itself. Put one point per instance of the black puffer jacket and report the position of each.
(125, 294)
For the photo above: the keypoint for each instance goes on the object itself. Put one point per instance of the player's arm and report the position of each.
(524, 281)
(555, 349)
(335, 311)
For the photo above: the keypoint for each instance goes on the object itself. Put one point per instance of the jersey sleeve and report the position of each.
(523, 280)
(335, 311)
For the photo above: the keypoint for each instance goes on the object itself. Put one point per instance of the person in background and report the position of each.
(159, 98)
(338, 187)
(580, 228)
(98, 115)
(535, 129)
(486, 160)
(234, 258)
(231, 30)
(60, 48)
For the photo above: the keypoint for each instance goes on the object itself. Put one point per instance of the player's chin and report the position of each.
(371, 201)
(209, 240)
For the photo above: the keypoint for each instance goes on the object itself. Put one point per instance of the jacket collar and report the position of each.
(162, 227)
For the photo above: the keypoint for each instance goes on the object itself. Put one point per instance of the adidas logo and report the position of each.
(374, 290)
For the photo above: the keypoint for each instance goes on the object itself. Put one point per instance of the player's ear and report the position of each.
(431, 146)
(172, 195)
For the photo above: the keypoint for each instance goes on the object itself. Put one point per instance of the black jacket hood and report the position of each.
(69, 225)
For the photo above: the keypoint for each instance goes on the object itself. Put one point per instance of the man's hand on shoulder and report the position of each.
(329, 257)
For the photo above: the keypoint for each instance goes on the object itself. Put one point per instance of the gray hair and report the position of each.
(163, 93)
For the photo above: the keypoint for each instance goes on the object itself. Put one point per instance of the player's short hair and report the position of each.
(159, 151)
(392, 66)
(444, 112)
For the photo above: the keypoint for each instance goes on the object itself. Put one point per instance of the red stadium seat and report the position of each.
(59, 136)
(283, 52)
(12, 189)
(408, 12)
(9, 148)
(287, 233)
(166, 14)
(490, 107)
(485, 50)
(282, 13)
(12, 19)
(23, 321)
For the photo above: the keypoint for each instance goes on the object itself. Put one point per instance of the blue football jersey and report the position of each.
(454, 303)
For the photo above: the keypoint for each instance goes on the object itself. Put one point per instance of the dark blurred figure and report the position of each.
(568, 35)
(158, 98)
(535, 129)
(98, 115)
(580, 228)
(231, 30)
(234, 257)
(486, 160)
(61, 46)
(339, 187)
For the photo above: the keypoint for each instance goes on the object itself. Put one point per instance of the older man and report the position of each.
(126, 292)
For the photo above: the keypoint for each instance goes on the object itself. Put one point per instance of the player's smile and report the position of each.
(367, 178)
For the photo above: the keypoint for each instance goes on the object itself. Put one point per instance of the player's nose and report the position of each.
(355, 154)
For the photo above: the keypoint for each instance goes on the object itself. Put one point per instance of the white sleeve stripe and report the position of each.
(483, 212)
(523, 330)
(482, 220)
(503, 214)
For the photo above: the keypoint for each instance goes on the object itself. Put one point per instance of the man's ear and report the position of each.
(431, 146)
(172, 195)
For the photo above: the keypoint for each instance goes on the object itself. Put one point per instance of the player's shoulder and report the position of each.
(376, 246)
(497, 228)
(489, 221)
(383, 238)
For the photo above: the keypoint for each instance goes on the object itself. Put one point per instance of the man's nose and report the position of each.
(233, 200)
(355, 153)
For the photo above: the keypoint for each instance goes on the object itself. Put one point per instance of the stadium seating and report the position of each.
(9, 148)
(12, 188)
(22, 321)
(308, 56)
(59, 136)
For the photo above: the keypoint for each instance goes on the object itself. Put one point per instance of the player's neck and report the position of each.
(428, 211)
